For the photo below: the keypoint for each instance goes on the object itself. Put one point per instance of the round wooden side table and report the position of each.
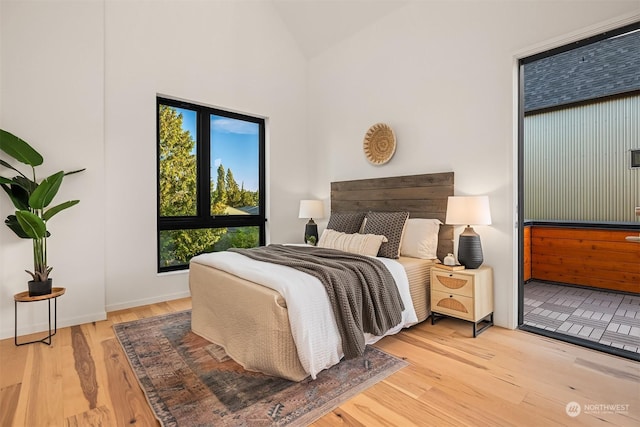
(24, 297)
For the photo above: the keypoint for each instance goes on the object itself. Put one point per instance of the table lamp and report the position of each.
(311, 209)
(469, 210)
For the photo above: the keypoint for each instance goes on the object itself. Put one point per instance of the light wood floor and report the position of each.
(502, 377)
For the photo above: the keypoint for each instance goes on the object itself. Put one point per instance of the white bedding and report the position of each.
(312, 322)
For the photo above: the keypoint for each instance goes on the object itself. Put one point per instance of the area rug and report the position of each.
(190, 382)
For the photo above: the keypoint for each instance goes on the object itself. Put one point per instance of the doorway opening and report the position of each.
(578, 192)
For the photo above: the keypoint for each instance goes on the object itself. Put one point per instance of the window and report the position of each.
(635, 158)
(211, 188)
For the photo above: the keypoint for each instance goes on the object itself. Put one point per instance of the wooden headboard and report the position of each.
(423, 196)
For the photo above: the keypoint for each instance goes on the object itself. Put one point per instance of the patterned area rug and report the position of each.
(190, 381)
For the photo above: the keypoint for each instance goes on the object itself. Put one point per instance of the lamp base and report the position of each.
(311, 230)
(470, 249)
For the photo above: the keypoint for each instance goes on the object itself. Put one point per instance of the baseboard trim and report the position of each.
(146, 301)
(44, 326)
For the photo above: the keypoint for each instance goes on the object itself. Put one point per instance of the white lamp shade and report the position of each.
(311, 209)
(468, 210)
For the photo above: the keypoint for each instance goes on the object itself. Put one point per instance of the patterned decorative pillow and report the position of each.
(389, 224)
(420, 238)
(346, 222)
(362, 244)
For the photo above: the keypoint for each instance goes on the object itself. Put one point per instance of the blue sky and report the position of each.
(234, 143)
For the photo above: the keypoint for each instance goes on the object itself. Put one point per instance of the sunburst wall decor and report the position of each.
(379, 144)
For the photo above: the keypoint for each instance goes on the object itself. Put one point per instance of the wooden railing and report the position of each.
(595, 256)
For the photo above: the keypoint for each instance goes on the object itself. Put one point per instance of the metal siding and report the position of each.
(577, 162)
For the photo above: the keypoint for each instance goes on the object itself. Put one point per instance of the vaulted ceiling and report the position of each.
(318, 24)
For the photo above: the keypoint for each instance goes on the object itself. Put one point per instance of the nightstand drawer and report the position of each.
(452, 304)
(455, 283)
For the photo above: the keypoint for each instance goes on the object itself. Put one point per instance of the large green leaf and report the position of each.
(25, 183)
(32, 224)
(8, 166)
(18, 195)
(46, 191)
(19, 149)
(14, 225)
(62, 206)
(20, 181)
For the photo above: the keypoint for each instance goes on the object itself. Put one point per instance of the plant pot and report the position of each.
(40, 288)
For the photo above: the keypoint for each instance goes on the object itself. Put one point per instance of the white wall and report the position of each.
(234, 55)
(51, 89)
(79, 81)
(441, 74)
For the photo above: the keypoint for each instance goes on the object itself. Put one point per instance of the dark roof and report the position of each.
(600, 69)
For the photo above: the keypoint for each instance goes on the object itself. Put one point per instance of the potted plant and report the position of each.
(32, 200)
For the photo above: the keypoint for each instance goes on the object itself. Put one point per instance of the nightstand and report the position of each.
(463, 294)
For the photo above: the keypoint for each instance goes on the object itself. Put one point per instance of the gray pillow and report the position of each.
(390, 225)
(346, 222)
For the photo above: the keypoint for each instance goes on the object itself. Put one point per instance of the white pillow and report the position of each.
(362, 244)
(420, 238)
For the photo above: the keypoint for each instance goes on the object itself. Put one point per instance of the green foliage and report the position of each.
(178, 195)
(178, 191)
(248, 198)
(219, 193)
(177, 247)
(227, 193)
(241, 237)
(55, 209)
(31, 199)
(19, 150)
(234, 198)
(46, 191)
(31, 224)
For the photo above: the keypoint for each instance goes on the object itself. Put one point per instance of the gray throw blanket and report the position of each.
(362, 292)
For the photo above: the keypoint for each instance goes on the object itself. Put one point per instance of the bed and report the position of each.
(252, 322)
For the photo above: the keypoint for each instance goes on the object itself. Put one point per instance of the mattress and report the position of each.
(419, 275)
(251, 323)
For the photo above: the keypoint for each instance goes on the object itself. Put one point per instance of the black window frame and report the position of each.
(203, 218)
